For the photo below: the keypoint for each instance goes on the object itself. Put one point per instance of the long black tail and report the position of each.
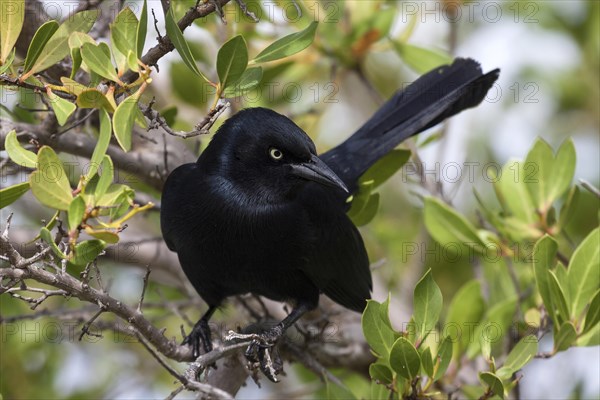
(435, 96)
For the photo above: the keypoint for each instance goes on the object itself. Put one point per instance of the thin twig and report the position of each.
(144, 286)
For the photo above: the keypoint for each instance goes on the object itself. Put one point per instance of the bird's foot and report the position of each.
(262, 350)
(200, 333)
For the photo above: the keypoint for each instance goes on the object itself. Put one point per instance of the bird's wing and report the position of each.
(338, 263)
(176, 205)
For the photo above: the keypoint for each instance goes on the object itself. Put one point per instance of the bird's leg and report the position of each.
(201, 332)
(260, 348)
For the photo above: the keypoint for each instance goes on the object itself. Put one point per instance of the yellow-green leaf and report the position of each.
(140, 35)
(17, 153)
(58, 46)
(97, 58)
(584, 273)
(12, 17)
(566, 336)
(105, 181)
(123, 37)
(76, 212)
(450, 228)
(123, 119)
(49, 183)
(288, 45)
(62, 108)
(493, 383)
(10, 194)
(544, 259)
(104, 134)
(420, 59)
(87, 251)
(41, 37)
(103, 234)
(93, 98)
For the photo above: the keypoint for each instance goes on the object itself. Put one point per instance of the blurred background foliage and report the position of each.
(549, 55)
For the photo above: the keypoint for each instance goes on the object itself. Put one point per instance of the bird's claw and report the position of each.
(200, 333)
(261, 351)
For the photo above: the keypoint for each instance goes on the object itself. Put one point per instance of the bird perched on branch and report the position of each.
(260, 212)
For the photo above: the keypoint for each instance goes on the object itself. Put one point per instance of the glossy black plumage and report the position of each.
(243, 221)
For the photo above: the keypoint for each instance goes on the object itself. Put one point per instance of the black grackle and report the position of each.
(260, 212)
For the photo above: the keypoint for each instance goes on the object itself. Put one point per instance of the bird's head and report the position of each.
(260, 150)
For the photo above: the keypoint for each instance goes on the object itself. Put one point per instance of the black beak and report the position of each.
(317, 171)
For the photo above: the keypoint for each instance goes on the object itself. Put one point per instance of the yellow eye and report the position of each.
(275, 154)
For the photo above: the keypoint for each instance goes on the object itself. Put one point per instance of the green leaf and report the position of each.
(593, 314)
(97, 58)
(427, 303)
(76, 40)
(132, 61)
(464, 312)
(106, 179)
(49, 183)
(142, 28)
(443, 357)
(420, 59)
(427, 361)
(544, 259)
(8, 62)
(87, 251)
(76, 212)
(590, 338)
(123, 37)
(232, 61)
(563, 170)
(10, 194)
(404, 359)
(450, 228)
(494, 326)
(101, 146)
(47, 237)
(115, 195)
(368, 212)
(250, 79)
(569, 207)
(41, 37)
(540, 160)
(58, 46)
(385, 167)
(62, 108)
(123, 119)
(520, 355)
(565, 337)
(584, 273)
(381, 373)
(93, 98)
(13, 15)
(512, 191)
(288, 45)
(558, 298)
(360, 199)
(377, 332)
(17, 153)
(493, 383)
(174, 33)
(105, 235)
(379, 392)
